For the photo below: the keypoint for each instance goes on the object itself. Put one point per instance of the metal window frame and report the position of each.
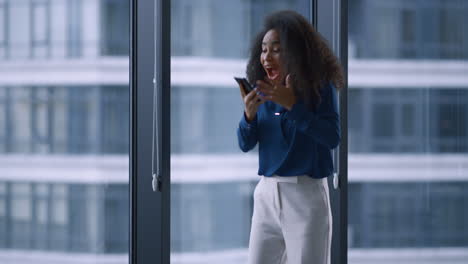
(149, 211)
(337, 36)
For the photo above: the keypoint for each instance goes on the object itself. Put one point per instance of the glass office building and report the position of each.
(64, 135)
(64, 131)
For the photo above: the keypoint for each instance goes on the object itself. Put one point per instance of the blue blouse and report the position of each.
(295, 142)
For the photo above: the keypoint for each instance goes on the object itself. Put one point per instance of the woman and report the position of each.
(293, 115)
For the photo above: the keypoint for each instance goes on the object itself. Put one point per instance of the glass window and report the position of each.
(3, 119)
(409, 120)
(356, 117)
(19, 29)
(451, 32)
(212, 181)
(21, 107)
(407, 25)
(115, 29)
(450, 120)
(63, 134)
(21, 214)
(58, 219)
(408, 33)
(56, 29)
(408, 29)
(40, 28)
(40, 215)
(3, 214)
(74, 30)
(405, 193)
(3, 28)
(114, 134)
(452, 127)
(385, 34)
(79, 104)
(383, 120)
(75, 119)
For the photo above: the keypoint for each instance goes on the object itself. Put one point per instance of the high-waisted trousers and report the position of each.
(291, 222)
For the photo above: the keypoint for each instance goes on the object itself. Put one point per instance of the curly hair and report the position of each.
(305, 55)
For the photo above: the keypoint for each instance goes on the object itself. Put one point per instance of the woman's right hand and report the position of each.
(252, 101)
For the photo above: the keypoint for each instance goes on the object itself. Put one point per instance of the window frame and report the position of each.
(336, 33)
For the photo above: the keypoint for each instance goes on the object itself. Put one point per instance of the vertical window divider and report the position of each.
(165, 100)
(149, 211)
(343, 150)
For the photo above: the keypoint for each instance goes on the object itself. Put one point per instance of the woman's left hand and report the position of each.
(278, 93)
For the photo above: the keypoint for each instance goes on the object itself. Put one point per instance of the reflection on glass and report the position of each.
(64, 131)
(212, 180)
(408, 132)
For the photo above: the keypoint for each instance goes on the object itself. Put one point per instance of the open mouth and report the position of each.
(273, 73)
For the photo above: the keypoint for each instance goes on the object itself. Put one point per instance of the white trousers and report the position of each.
(292, 221)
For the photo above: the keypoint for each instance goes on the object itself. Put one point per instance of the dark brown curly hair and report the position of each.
(305, 55)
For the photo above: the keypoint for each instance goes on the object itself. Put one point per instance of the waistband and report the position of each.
(290, 179)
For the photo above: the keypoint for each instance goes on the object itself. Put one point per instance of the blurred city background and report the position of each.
(64, 130)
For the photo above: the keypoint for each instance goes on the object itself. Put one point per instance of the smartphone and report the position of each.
(247, 86)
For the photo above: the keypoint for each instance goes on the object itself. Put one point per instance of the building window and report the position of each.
(182, 28)
(399, 215)
(194, 110)
(4, 116)
(59, 211)
(74, 30)
(383, 121)
(40, 192)
(451, 32)
(74, 119)
(40, 29)
(21, 215)
(451, 121)
(391, 120)
(115, 115)
(3, 214)
(408, 33)
(115, 27)
(408, 120)
(402, 29)
(3, 28)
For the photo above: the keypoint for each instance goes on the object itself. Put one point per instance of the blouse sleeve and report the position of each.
(322, 125)
(247, 134)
